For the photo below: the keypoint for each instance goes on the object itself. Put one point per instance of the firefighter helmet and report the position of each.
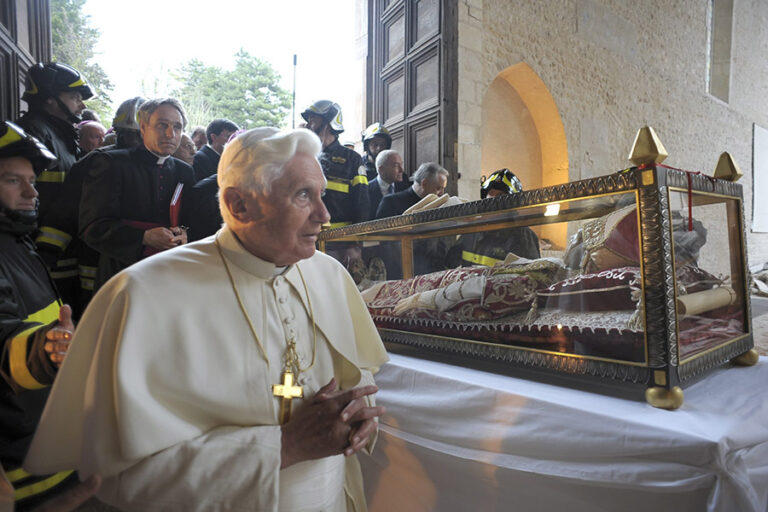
(377, 130)
(504, 180)
(125, 117)
(47, 80)
(329, 111)
(14, 141)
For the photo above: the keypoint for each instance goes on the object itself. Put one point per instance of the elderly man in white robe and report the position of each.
(234, 373)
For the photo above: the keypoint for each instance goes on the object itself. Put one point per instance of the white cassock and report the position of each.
(166, 393)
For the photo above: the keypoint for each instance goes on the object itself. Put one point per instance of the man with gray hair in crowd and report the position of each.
(429, 178)
(389, 171)
(256, 400)
(131, 198)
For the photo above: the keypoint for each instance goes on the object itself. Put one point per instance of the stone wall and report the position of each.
(612, 66)
(472, 87)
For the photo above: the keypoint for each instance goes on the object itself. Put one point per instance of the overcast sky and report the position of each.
(141, 40)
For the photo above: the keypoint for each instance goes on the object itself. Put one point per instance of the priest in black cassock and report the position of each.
(131, 198)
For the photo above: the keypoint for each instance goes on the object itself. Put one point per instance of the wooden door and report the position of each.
(25, 38)
(412, 78)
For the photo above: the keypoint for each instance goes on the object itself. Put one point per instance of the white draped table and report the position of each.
(456, 439)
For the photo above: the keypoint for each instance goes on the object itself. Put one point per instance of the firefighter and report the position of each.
(346, 194)
(491, 247)
(67, 205)
(376, 138)
(55, 93)
(35, 328)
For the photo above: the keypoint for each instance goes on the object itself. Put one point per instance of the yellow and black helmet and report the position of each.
(46, 80)
(329, 111)
(16, 142)
(377, 130)
(504, 180)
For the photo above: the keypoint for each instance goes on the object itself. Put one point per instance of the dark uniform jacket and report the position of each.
(62, 234)
(491, 247)
(346, 194)
(29, 307)
(206, 162)
(370, 168)
(61, 138)
(124, 194)
(202, 208)
(395, 204)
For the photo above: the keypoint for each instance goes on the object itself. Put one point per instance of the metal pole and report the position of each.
(293, 101)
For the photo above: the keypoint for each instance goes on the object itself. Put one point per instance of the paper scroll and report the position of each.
(701, 302)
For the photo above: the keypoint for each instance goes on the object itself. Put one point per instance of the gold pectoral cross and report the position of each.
(287, 392)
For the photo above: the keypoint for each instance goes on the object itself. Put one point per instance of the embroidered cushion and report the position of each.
(611, 289)
(615, 289)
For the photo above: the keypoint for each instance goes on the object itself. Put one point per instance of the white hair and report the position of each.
(381, 158)
(255, 158)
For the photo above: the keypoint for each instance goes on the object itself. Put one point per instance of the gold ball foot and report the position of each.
(748, 358)
(663, 398)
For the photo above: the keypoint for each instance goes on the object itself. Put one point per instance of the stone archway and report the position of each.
(522, 130)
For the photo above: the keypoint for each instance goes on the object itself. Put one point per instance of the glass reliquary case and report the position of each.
(632, 279)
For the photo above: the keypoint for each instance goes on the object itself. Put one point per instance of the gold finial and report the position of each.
(647, 148)
(663, 398)
(748, 358)
(727, 168)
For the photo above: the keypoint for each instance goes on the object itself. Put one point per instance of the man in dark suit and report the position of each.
(389, 170)
(207, 158)
(429, 178)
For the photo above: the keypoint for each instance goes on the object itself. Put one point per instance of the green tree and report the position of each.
(73, 42)
(249, 94)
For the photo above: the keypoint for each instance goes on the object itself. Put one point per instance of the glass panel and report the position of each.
(427, 83)
(427, 19)
(369, 262)
(395, 39)
(22, 25)
(562, 277)
(427, 144)
(709, 275)
(394, 92)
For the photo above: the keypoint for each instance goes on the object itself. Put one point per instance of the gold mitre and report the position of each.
(727, 168)
(647, 148)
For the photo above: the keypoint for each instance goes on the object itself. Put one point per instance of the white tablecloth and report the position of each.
(455, 439)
